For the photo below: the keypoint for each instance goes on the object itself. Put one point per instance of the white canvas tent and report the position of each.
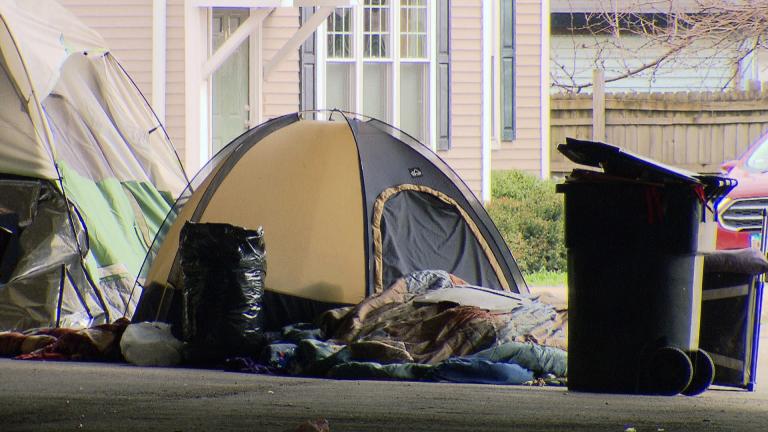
(87, 172)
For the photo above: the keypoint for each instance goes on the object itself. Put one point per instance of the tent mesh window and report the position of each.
(407, 220)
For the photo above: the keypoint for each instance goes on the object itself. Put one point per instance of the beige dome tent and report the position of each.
(347, 205)
(87, 173)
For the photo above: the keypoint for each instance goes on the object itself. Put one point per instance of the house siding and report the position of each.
(174, 75)
(466, 92)
(281, 89)
(524, 152)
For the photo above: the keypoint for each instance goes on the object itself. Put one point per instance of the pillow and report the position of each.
(743, 261)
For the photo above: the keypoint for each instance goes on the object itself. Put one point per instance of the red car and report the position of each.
(740, 213)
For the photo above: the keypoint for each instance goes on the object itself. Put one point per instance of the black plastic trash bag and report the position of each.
(223, 269)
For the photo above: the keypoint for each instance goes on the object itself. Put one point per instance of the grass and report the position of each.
(547, 278)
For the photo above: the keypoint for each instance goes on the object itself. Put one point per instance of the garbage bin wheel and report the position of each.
(703, 373)
(667, 372)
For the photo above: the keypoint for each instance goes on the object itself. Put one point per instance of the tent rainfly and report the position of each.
(87, 173)
(347, 205)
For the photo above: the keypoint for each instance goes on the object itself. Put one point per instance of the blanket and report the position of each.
(431, 333)
(98, 343)
(394, 335)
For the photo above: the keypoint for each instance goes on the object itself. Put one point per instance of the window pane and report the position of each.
(375, 90)
(421, 50)
(422, 20)
(347, 20)
(337, 86)
(413, 20)
(408, 52)
(413, 99)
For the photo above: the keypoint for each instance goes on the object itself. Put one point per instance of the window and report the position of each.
(414, 68)
(378, 61)
(338, 94)
(376, 90)
(375, 28)
(413, 103)
(339, 76)
(340, 34)
(413, 29)
(507, 70)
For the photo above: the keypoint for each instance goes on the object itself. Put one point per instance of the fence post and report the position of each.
(598, 105)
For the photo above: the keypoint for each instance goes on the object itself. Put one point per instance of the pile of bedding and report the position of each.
(428, 325)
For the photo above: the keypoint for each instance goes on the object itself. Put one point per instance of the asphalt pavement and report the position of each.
(64, 396)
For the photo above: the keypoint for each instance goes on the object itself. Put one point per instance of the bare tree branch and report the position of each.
(622, 35)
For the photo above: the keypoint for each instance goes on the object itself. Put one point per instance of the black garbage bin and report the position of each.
(633, 235)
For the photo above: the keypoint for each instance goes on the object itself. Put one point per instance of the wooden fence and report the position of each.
(692, 130)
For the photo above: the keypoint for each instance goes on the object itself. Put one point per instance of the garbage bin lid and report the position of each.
(622, 163)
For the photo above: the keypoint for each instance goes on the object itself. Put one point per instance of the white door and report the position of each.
(229, 97)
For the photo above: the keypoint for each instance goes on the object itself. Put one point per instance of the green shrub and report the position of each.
(529, 215)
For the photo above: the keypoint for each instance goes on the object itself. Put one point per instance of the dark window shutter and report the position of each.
(443, 75)
(507, 57)
(307, 62)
